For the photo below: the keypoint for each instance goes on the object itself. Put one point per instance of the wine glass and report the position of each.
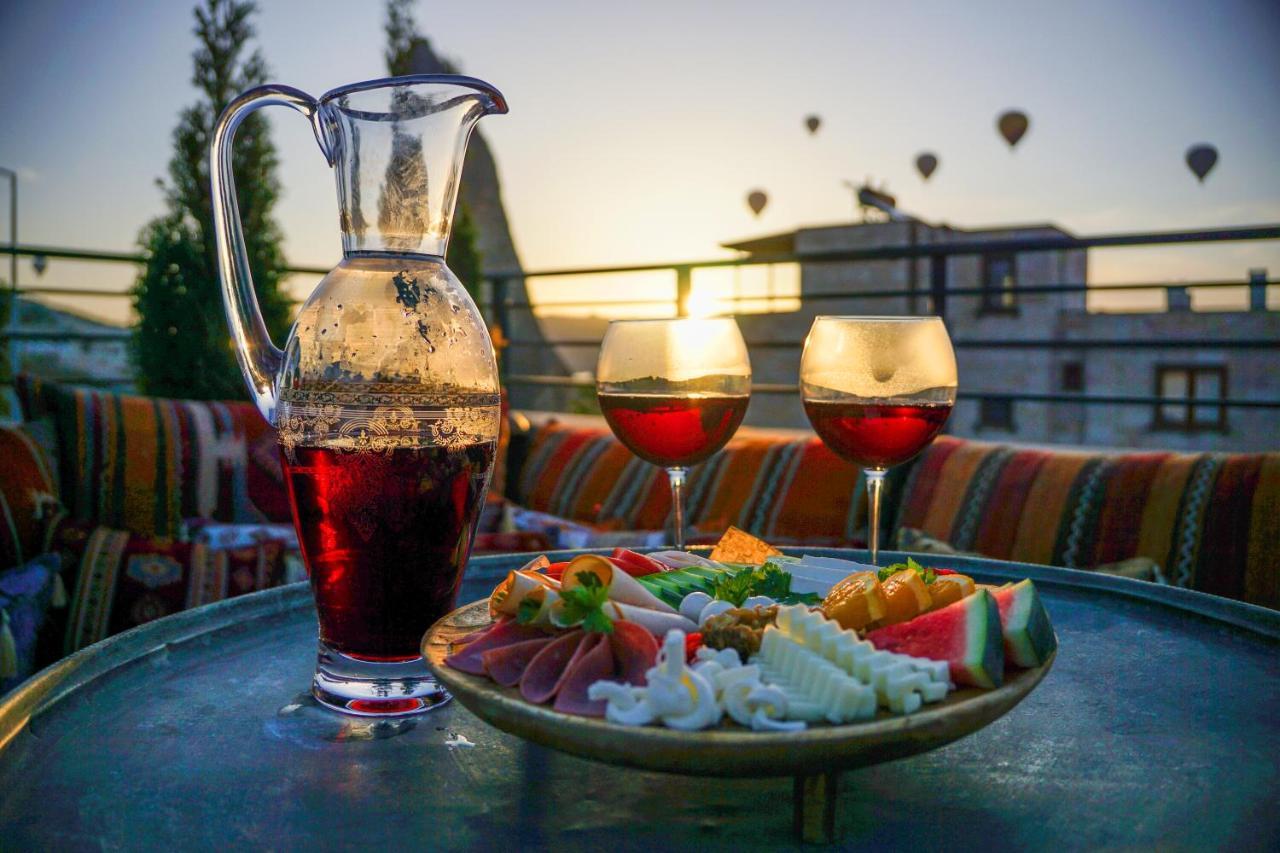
(674, 392)
(877, 390)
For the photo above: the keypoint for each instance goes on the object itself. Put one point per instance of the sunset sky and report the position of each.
(636, 130)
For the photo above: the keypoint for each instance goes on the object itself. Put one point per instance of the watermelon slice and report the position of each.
(966, 635)
(1028, 635)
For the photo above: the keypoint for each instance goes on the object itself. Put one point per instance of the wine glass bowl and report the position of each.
(674, 392)
(877, 390)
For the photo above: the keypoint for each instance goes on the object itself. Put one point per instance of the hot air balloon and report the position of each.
(813, 122)
(1012, 125)
(926, 163)
(1201, 160)
(756, 200)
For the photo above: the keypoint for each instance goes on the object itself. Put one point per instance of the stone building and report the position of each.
(60, 345)
(1074, 361)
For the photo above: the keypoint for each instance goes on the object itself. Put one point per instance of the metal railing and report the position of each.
(502, 302)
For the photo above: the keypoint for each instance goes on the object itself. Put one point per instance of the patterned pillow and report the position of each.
(29, 506)
(144, 464)
(1211, 521)
(25, 596)
(122, 580)
(788, 489)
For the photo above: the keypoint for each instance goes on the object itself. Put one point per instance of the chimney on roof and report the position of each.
(1258, 290)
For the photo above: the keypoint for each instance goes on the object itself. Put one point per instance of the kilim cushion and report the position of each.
(1211, 521)
(29, 504)
(119, 580)
(144, 464)
(25, 595)
(784, 489)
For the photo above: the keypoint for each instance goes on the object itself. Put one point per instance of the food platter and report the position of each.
(729, 750)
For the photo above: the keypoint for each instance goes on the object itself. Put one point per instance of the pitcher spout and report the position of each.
(398, 147)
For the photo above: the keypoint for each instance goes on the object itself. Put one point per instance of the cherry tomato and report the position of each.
(556, 570)
(692, 642)
(636, 565)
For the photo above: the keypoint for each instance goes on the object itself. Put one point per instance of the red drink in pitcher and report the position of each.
(385, 536)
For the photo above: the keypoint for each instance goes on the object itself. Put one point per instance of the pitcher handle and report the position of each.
(259, 357)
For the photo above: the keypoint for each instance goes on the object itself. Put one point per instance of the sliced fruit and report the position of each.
(1028, 634)
(905, 597)
(966, 635)
(856, 601)
(950, 588)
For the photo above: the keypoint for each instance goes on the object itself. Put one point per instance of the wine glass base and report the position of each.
(369, 688)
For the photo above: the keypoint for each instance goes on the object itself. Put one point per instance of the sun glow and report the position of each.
(703, 304)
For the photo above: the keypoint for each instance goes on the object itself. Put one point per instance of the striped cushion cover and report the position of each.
(145, 464)
(123, 580)
(785, 490)
(1211, 521)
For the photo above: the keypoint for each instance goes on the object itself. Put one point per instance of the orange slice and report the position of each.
(948, 589)
(855, 602)
(905, 597)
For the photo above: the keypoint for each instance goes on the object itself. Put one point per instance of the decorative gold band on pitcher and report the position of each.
(380, 417)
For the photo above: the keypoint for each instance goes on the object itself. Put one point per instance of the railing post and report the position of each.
(938, 284)
(501, 320)
(684, 287)
(1257, 290)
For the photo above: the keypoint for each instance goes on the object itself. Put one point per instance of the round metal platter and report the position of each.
(728, 750)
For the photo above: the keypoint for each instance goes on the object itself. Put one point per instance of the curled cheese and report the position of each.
(691, 698)
(625, 704)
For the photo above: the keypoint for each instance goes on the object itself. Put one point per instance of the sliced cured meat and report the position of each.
(507, 664)
(544, 674)
(504, 633)
(635, 651)
(595, 664)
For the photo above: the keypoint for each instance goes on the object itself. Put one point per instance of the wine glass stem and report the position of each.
(676, 476)
(875, 486)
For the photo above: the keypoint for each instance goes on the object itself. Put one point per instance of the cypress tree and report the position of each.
(181, 346)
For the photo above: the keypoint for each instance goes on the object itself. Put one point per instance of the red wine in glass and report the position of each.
(877, 390)
(670, 430)
(876, 434)
(385, 536)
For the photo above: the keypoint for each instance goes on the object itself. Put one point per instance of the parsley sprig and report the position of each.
(927, 575)
(528, 609)
(767, 580)
(584, 604)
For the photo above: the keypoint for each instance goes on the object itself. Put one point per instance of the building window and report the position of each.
(999, 278)
(995, 413)
(1073, 376)
(1204, 389)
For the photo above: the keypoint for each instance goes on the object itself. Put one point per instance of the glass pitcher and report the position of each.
(385, 396)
